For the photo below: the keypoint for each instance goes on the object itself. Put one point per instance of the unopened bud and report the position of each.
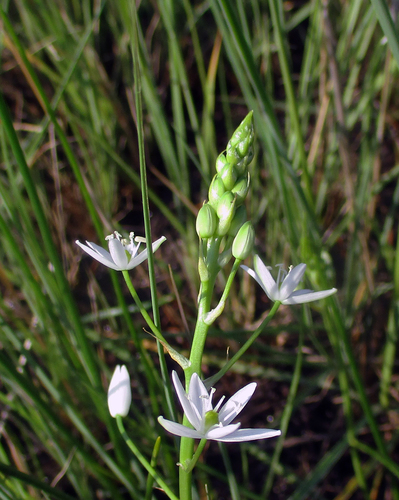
(228, 174)
(239, 148)
(244, 241)
(119, 392)
(216, 191)
(240, 217)
(220, 162)
(207, 221)
(225, 212)
(240, 188)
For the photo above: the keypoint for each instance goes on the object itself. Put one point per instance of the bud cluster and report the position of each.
(225, 214)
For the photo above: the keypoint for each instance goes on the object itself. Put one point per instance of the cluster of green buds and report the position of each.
(225, 215)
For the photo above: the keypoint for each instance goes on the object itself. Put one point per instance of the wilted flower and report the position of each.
(123, 253)
(119, 392)
(209, 422)
(284, 289)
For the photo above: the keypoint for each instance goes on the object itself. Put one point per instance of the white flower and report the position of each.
(284, 289)
(119, 392)
(123, 253)
(209, 422)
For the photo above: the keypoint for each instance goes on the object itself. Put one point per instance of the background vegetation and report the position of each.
(322, 80)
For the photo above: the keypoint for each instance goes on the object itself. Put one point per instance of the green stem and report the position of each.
(197, 349)
(144, 462)
(217, 311)
(137, 73)
(142, 309)
(197, 454)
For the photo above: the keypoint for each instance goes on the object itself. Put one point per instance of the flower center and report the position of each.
(211, 419)
(128, 244)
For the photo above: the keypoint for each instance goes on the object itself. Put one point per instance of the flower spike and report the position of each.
(213, 422)
(123, 253)
(283, 289)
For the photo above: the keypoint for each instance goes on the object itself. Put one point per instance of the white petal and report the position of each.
(178, 429)
(118, 253)
(252, 273)
(103, 257)
(269, 285)
(141, 257)
(291, 281)
(158, 243)
(302, 296)
(249, 435)
(100, 250)
(187, 405)
(135, 261)
(199, 396)
(219, 432)
(236, 403)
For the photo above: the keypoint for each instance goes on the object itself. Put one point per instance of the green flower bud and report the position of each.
(207, 221)
(225, 212)
(239, 149)
(240, 188)
(220, 162)
(244, 241)
(240, 217)
(228, 174)
(216, 191)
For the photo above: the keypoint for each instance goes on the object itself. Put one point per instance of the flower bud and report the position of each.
(216, 191)
(228, 175)
(225, 212)
(220, 162)
(239, 148)
(119, 392)
(207, 221)
(240, 217)
(244, 241)
(240, 188)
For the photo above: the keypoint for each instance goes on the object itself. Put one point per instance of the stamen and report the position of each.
(219, 403)
(114, 235)
(282, 274)
(235, 410)
(140, 239)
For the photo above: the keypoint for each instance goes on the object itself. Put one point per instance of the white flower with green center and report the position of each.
(123, 253)
(283, 289)
(213, 423)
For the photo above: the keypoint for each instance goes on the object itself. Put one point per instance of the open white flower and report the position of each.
(284, 289)
(119, 392)
(209, 422)
(123, 253)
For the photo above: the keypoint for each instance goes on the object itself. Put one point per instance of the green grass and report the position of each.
(323, 88)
